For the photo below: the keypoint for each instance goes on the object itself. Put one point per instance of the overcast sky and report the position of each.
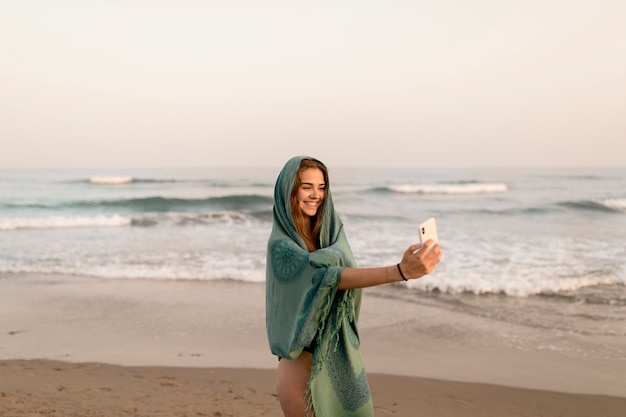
(149, 83)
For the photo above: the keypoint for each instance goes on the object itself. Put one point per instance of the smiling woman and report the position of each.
(313, 297)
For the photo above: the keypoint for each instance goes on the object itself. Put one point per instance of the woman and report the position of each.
(313, 297)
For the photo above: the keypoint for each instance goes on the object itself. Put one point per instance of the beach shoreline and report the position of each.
(176, 329)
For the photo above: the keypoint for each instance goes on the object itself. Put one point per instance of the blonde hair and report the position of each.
(307, 228)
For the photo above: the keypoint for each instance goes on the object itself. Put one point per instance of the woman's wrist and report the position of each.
(400, 272)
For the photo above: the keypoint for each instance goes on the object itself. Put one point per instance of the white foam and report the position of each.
(613, 203)
(212, 217)
(473, 188)
(523, 266)
(141, 272)
(60, 222)
(111, 180)
(181, 219)
(516, 286)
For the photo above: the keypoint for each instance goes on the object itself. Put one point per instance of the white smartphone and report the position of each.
(428, 230)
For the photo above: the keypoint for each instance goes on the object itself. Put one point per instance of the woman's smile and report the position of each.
(312, 191)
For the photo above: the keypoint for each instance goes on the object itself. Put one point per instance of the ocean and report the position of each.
(544, 249)
(517, 232)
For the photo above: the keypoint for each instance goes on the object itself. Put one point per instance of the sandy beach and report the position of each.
(78, 346)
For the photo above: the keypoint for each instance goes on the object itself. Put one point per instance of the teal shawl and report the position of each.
(305, 309)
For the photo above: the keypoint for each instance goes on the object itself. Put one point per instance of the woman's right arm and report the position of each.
(414, 264)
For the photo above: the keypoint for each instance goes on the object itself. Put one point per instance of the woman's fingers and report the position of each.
(422, 259)
(432, 255)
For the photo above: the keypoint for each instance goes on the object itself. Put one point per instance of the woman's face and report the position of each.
(312, 191)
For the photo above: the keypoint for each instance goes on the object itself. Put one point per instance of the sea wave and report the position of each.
(516, 287)
(448, 188)
(114, 180)
(64, 222)
(184, 219)
(142, 272)
(605, 204)
(600, 205)
(214, 182)
(514, 211)
(110, 180)
(241, 202)
(163, 204)
(140, 182)
(118, 220)
(602, 289)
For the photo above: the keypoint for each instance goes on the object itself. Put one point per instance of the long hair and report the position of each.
(307, 228)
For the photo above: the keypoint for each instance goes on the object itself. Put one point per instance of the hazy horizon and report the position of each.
(192, 83)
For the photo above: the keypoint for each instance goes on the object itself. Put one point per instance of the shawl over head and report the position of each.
(304, 308)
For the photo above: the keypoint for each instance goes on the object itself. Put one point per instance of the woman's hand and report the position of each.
(419, 260)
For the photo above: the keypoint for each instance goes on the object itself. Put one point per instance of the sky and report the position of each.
(201, 83)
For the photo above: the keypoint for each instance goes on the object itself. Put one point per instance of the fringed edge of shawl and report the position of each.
(346, 310)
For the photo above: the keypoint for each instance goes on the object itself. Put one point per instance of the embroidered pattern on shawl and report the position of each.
(305, 308)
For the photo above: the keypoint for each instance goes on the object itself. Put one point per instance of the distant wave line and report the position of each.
(518, 288)
(111, 180)
(601, 205)
(448, 188)
(242, 201)
(606, 204)
(125, 180)
(157, 203)
(140, 272)
(183, 219)
(117, 220)
(64, 222)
